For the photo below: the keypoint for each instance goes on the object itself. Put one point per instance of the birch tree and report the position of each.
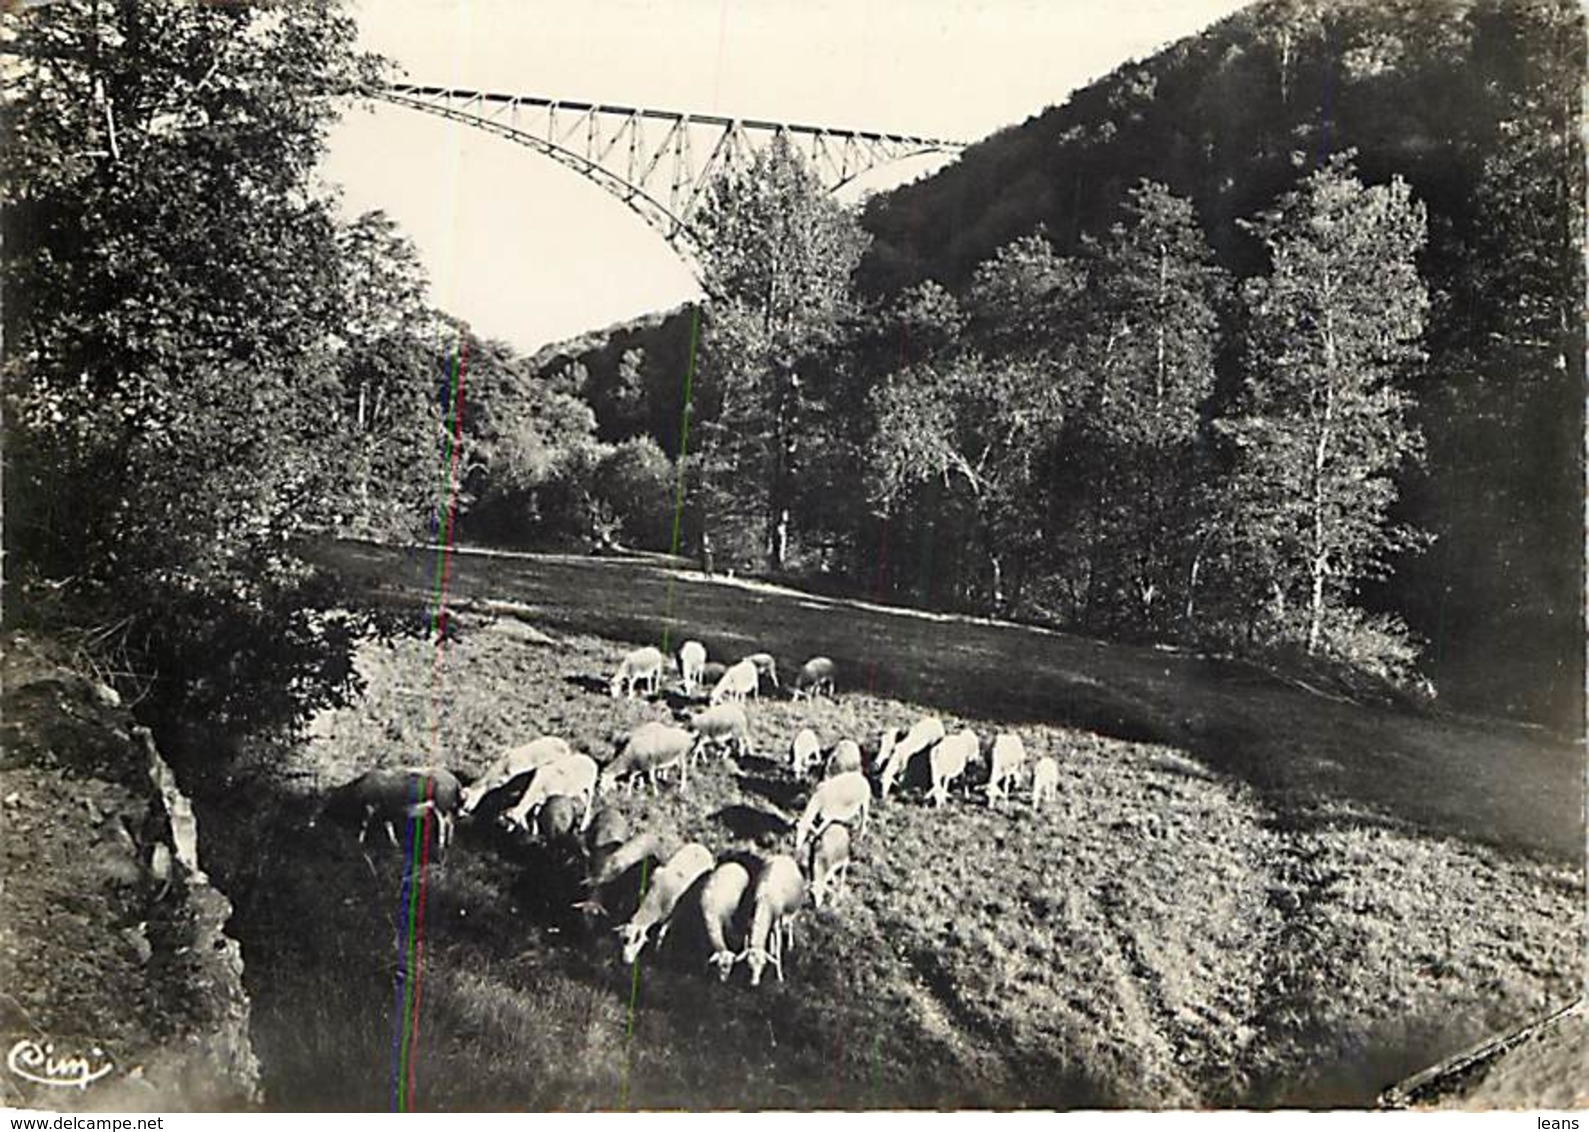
(1334, 333)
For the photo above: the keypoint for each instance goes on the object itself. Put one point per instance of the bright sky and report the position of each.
(530, 252)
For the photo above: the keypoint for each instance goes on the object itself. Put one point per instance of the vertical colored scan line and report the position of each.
(420, 827)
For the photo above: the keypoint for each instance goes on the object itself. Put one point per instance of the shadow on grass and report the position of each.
(751, 824)
(781, 792)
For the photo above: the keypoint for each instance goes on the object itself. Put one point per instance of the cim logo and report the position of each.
(39, 1063)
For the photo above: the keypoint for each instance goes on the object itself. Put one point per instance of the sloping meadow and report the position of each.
(1155, 937)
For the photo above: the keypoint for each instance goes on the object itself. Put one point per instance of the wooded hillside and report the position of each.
(1475, 106)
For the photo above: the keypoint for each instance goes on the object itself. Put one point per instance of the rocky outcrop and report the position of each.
(119, 987)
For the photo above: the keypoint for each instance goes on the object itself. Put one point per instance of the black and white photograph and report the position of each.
(712, 555)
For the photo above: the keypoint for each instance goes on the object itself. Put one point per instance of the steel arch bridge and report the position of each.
(658, 162)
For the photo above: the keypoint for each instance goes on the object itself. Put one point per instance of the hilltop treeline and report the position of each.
(1473, 105)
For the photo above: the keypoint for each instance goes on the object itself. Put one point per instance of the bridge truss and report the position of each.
(658, 162)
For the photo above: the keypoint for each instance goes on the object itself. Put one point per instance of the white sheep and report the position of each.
(779, 893)
(766, 669)
(846, 757)
(803, 751)
(814, 677)
(640, 666)
(830, 861)
(724, 727)
(649, 748)
(1005, 765)
(669, 883)
(842, 798)
(721, 900)
(1045, 781)
(886, 742)
(692, 659)
(573, 777)
(516, 761)
(927, 731)
(949, 758)
(737, 683)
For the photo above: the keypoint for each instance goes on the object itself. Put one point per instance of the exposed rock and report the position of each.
(122, 991)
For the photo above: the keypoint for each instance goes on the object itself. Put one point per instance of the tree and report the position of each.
(386, 350)
(779, 255)
(978, 427)
(629, 391)
(1334, 330)
(177, 332)
(635, 483)
(1146, 364)
(527, 447)
(1018, 297)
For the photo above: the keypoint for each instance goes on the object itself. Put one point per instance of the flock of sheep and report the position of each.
(746, 903)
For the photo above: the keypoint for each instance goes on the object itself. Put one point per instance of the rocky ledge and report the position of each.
(119, 988)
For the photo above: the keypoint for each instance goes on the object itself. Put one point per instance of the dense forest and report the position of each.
(1472, 105)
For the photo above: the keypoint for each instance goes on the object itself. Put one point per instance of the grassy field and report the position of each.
(1246, 894)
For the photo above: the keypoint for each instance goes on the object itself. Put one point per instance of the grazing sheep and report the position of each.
(886, 742)
(766, 669)
(640, 666)
(1005, 765)
(838, 799)
(1045, 781)
(393, 796)
(949, 760)
(612, 861)
(609, 827)
(711, 673)
(721, 901)
(617, 872)
(737, 683)
(927, 731)
(669, 883)
(846, 757)
(804, 751)
(814, 677)
(557, 823)
(651, 747)
(830, 861)
(520, 760)
(780, 891)
(724, 727)
(573, 777)
(692, 659)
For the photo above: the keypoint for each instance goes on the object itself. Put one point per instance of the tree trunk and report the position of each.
(1187, 610)
(1320, 558)
(780, 545)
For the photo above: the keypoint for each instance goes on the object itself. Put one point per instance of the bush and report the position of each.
(1377, 645)
(634, 485)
